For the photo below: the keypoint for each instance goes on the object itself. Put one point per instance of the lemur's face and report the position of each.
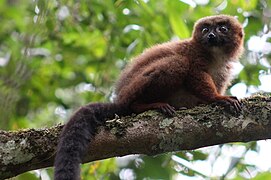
(220, 31)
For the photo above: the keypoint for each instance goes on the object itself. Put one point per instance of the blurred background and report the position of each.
(58, 55)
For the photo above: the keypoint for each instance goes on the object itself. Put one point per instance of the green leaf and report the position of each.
(262, 176)
(248, 5)
(250, 74)
(198, 155)
(178, 26)
(177, 23)
(27, 176)
(93, 41)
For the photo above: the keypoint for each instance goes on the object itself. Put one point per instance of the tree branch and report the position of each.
(148, 133)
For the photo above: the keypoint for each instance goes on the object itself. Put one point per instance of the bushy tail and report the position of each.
(76, 136)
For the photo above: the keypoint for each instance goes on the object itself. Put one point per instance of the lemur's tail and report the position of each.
(77, 134)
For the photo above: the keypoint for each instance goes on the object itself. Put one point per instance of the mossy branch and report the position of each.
(148, 133)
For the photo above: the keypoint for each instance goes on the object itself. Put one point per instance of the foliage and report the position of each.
(58, 55)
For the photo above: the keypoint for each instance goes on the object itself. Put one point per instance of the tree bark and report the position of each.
(149, 133)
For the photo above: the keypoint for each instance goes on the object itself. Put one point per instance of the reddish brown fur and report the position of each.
(182, 73)
(164, 77)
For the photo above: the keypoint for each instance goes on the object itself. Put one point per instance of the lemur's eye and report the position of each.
(205, 30)
(222, 29)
